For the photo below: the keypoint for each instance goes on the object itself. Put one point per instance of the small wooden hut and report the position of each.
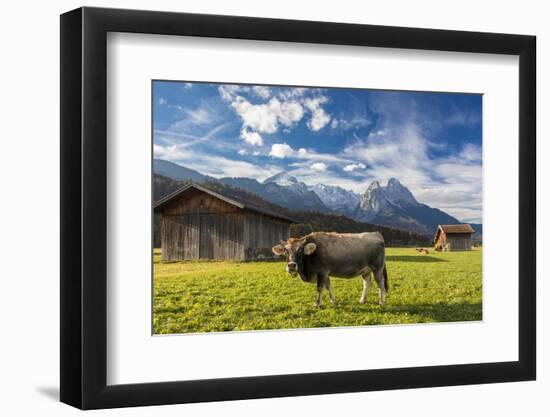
(453, 237)
(197, 223)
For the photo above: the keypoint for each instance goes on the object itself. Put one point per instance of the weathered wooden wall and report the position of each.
(454, 241)
(459, 241)
(201, 226)
(261, 233)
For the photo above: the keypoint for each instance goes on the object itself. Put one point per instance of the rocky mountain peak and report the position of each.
(373, 186)
(398, 194)
(336, 198)
(283, 179)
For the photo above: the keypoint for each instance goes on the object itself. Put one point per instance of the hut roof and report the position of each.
(450, 229)
(457, 228)
(163, 202)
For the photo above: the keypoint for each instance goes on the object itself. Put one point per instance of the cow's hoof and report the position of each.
(361, 301)
(316, 305)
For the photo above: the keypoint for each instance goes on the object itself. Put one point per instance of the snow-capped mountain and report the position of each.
(295, 190)
(336, 198)
(394, 205)
(333, 197)
(284, 179)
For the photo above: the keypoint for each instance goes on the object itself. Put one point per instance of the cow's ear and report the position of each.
(278, 249)
(309, 248)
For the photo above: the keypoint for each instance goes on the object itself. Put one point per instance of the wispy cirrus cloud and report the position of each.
(213, 165)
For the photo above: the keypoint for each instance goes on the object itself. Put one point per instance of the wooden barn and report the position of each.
(453, 237)
(197, 223)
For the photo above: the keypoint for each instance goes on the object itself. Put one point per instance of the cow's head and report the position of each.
(294, 249)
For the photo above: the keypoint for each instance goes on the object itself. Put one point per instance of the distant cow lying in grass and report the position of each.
(319, 255)
(422, 251)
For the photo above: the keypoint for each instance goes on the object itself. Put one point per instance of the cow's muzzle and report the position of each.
(292, 267)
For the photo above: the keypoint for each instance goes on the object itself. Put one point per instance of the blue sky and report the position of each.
(431, 142)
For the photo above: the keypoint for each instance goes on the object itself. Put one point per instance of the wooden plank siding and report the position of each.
(198, 225)
(180, 237)
(454, 241)
(221, 236)
(261, 233)
(459, 242)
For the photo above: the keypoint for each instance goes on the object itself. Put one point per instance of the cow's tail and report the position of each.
(386, 283)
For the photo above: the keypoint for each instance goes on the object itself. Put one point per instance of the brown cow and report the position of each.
(319, 255)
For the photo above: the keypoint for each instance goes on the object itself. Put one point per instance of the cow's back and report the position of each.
(346, 254)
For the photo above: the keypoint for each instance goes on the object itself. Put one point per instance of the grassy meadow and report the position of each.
(215, 296)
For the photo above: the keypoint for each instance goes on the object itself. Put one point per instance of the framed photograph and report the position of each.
(256, 208)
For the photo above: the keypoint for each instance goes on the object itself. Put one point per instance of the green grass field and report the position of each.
(211, 296)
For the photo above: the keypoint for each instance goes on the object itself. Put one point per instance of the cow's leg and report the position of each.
(320, 286)
(379, 275)
(329, 288)
(366, 286)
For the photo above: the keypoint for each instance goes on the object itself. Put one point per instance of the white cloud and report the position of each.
(319, 118)
(200, 115)
(262, 91)
(229, 91)
(379, 132)
(319, 166)
(251, 137)
(353, 167)
(215, 166)
(162, 101)
(242, 152)
(186, 86)
(292, 93)
(257, 117)
(170, 152)
(281, 150)
(266, 118)
(470, 153)
(355, 122)
(302, 153)
(283, 109)
(256, 153)
(288, 112)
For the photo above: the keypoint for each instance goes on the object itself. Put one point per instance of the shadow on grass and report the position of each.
(414, 258)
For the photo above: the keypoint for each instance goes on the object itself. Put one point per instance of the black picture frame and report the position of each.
(84, 207)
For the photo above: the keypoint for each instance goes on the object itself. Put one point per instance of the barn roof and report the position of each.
(456, 228)
(163, 202)
(450, 229)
